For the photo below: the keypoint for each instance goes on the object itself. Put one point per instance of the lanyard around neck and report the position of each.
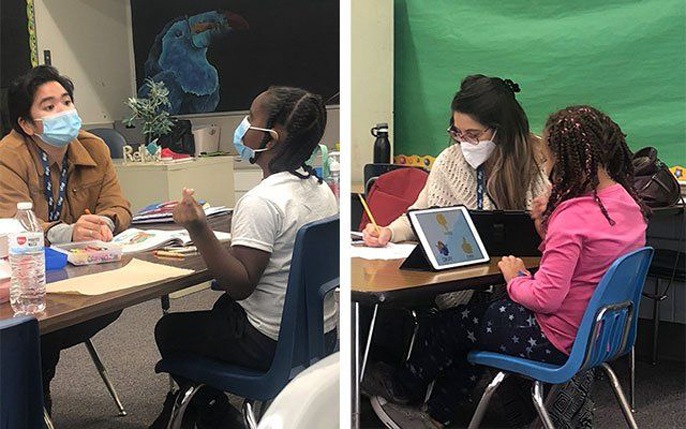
(54, 207)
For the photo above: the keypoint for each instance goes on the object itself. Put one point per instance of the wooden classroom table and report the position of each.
(63, 310)
(379, 282)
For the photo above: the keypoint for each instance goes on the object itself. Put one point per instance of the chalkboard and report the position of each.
(271, 42)
(626, 58)
(15, 50)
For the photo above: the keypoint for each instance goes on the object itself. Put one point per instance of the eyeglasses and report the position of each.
(471, 136)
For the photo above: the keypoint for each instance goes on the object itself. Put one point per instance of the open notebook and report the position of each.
(135, 240)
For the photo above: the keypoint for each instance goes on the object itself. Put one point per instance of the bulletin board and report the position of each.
(627, 58)
(218, 55)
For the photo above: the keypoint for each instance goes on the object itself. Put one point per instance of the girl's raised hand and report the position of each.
(188, 212)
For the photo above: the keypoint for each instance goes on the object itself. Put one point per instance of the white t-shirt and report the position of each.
(268, 218)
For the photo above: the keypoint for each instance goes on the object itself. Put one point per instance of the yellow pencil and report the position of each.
(369, 213)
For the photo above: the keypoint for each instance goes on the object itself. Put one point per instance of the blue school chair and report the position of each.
(607, 331)
(114, 140)
(314, 272)
(21, 385)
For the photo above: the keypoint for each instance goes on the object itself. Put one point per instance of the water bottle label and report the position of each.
(25, 242)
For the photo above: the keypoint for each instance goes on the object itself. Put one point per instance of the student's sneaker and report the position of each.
(219, 414)
(395, 416)
(378, 381)
(162, 419)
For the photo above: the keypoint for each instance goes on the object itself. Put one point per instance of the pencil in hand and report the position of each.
(369, 214)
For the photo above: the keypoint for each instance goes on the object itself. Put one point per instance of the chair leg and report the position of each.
(537, 397)
(414, 335)
(485, 399)
(47, 420)
(538, 423)
(249, 418)
(632, 379)
(103, 374)
(656, 325)
(614, 381)
(180, 404)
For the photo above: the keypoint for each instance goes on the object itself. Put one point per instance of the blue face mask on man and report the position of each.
(60, 129)
(246, 153)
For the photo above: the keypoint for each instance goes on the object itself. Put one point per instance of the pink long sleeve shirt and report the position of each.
(579, 247)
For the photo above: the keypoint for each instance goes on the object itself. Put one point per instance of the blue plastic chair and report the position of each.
(607, 331)
(314, 272)
(21, 385)
(114, 140)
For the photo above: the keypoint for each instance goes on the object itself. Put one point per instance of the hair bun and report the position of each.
(513, 86)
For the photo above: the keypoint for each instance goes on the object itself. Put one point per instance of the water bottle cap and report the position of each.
(27, 205)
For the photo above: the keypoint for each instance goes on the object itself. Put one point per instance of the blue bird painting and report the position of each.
(179, 59)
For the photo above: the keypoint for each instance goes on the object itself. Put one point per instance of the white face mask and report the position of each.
(477, 154)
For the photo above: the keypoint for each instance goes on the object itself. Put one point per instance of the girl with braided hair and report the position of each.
(591, 217)
(280, 134)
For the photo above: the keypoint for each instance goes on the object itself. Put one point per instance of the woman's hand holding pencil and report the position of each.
(373, 234)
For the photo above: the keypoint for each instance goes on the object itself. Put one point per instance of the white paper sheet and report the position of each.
(391, 251)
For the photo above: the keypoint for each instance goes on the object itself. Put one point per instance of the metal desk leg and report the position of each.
(166, 305)
(369, 342)
(632, 379)
(355, 346)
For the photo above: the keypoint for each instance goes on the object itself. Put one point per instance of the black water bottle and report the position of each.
(382, 147)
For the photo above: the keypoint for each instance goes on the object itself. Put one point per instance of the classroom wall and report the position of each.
(372, 77)
(625, 57)
(90, 41)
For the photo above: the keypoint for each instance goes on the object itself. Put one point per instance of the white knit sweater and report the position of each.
(452, 181)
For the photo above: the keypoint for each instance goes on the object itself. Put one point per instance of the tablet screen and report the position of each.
(449, 236)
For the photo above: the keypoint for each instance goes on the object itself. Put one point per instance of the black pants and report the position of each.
(223, 333)
(447, 337)
(53, 343)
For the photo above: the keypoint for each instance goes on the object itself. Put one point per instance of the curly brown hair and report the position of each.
(582, 139)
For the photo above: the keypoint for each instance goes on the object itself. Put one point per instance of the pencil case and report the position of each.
(90, 252)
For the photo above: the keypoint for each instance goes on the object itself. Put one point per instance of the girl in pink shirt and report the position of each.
(590, 218)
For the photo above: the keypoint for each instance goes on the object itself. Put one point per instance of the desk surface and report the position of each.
(64, 310)
(378, 281)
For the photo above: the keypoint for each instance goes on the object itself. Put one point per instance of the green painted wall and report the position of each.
(627, 58)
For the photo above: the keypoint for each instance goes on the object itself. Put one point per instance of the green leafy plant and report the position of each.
(150, 111)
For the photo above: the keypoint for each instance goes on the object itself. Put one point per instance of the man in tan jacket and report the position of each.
(69, 177)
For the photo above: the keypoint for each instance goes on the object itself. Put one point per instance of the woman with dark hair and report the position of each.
(592, 216)
(282, 130)
(69, 177)
(495, 163)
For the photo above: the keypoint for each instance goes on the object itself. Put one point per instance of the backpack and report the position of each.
(655, 184)
(180, 139)
(392, 193)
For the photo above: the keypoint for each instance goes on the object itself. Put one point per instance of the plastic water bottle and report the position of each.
(334, 179)
(27, 259)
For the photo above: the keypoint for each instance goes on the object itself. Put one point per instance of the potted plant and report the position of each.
(151, 111)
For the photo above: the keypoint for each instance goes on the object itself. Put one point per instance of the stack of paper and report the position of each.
(163, 213)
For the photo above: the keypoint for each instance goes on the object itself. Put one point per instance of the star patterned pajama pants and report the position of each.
(445, 339)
